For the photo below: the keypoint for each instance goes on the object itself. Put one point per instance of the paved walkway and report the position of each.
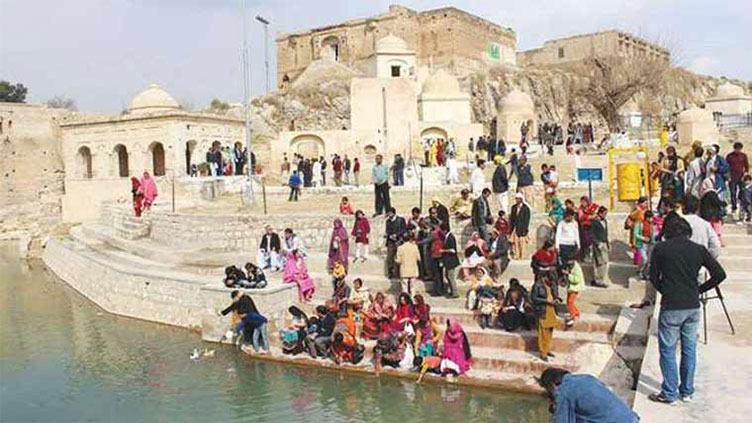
(724, 370)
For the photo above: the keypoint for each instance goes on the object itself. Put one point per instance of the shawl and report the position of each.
(148, 188)
(422, 310)
(456, 346)
(361, 229)
(339, 248)
(296, 272)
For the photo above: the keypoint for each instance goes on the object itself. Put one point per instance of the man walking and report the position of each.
(500, 185)
(347, 166)
(738, 166)
(674, 268)
(380, 179)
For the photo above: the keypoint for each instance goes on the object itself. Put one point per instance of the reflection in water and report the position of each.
(64, 359)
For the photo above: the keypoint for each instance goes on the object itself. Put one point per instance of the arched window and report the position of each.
(157, 159)
(83, 157)
(122, 160)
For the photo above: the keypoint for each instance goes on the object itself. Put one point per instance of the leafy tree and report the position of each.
(218, 106)
(12, 93)
(62, 102)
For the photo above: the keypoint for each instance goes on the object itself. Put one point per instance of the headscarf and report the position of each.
(422, 310)
(456, 345)
(339, 255)
(135, 184)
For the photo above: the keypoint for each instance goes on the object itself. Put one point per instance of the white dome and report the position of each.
(729, 90)
(441, 82)
(392, 44)
(517, 100)
(153, 99)
(695, 115)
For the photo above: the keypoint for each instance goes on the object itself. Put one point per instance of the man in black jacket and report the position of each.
(674, 267)
(519, 221)
(268, 251)
(482, 214)
(500, 185)
(319, 343)
(450, 261)
(396, 229)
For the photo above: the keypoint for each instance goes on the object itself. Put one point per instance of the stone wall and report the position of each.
(445, 37)
(31, 179)
(153, 295)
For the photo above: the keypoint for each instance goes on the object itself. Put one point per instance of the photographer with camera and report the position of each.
(674, 267)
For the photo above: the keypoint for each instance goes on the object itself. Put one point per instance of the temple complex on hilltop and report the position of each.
(445, 37)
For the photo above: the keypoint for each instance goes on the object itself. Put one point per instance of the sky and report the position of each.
(103, 52)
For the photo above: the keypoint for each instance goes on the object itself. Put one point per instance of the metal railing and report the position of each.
(733, 121)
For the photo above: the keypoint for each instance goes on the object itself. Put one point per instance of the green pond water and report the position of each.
(62, 359)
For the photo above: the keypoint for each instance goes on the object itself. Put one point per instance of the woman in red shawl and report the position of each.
(405, 312)
(544, 260)
(585, 215)
(138, 198)
(378, 318)
(421, 309)
(456, 346)
(339, 246)
(440, 153)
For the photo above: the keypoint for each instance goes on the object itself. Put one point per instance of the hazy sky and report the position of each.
(102, 52)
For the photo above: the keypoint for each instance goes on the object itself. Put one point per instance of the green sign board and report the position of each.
(494, 51)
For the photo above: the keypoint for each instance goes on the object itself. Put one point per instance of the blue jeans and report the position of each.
(263, 333)
(672, 326)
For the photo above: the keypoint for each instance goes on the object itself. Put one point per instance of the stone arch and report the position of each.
(434, 132)
(190, 152)
(330, 48)
(157, 153)
(84, 162)
(120, 153)
(308, 145)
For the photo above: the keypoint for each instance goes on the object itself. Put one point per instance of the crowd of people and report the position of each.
(224, 161)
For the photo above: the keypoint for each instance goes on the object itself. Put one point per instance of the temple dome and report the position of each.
(517, 100)
(729, 90)
(441, 82)
(695, 115)
(392, 45)
(153, 99)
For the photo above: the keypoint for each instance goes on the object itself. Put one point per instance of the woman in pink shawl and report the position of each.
(296, 272)
(339, 246)
(456, 346)
(149, 190)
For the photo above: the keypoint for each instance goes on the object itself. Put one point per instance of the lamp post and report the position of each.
(246, 106)
(266, 48)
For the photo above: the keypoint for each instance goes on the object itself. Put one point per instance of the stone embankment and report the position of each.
(167, 268)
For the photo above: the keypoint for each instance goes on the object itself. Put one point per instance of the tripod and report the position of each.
(704, 298)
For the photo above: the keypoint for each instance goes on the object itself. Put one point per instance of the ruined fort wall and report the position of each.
(445, 37)
(31, 169)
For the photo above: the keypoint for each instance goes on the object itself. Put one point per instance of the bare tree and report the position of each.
(609, 82)
(62, 102)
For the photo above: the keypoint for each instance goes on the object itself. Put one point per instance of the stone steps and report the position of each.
(563, 342)
(586, 323)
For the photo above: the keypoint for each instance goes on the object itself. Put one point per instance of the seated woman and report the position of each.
(422, 310)
(481, 284)
(345, 347)
(256, 276)
(340, 296)
(377, 319)
(405, 313)
(427, 337)
(292, 335)
(296, 272)
(345, 207)
(475, 255)
(513, 315)
(457, 347)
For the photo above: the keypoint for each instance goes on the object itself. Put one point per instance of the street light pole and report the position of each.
(266, 48)
(246, 105)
